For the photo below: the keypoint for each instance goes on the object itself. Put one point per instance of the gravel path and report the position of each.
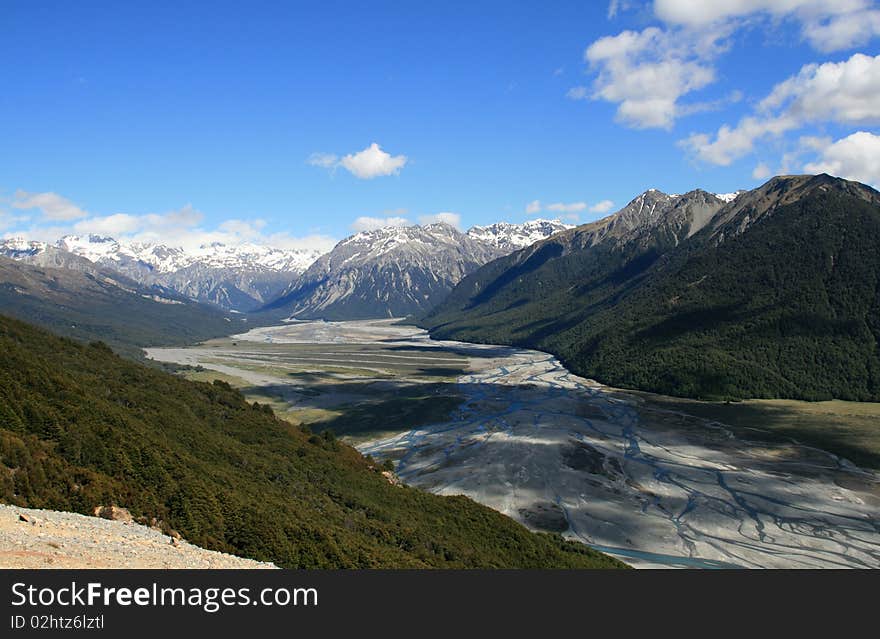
(52, 539)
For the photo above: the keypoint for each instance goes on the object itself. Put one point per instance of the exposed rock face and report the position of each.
(114, 513)
(650, 216)
(248, 277)
(618, 245)
(389, 272)
(752, 206)
(400, 271)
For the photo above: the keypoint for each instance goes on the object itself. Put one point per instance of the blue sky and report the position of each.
(255, 120)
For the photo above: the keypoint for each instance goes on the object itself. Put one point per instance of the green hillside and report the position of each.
(789, 307)
(81, 426)
(107, 307)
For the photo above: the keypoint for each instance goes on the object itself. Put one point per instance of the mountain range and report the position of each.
(74, 297)
(399, 271)
(250, 277)
(509, 237)
(773, 292)
(241, 277)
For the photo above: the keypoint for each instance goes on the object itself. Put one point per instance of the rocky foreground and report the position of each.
(31, 538)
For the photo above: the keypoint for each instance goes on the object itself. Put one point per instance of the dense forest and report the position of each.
(81, 426)
(789, 307)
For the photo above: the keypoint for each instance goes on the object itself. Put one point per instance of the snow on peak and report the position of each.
(91, 247)
(373, 243)
(163, 258)
(18, 247)
(729, 197)
(515, 236)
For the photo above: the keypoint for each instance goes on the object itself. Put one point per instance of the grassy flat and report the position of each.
(847, 429)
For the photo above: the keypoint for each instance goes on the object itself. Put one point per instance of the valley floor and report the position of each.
(655, 481)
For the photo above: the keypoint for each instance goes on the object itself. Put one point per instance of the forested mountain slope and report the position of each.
(80, 300)
(775, 295)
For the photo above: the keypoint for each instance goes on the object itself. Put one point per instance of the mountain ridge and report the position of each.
(244, 277)
(398, 271)
(746, 305)
(232, 277)
(86, 302)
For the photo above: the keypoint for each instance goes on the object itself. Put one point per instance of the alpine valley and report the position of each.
(690, 381)
(518, 289)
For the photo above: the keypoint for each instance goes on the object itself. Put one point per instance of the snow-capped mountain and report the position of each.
(168, 259)
(729, 197)
(389, 272)
(510, 237)
(19, 248)
(240, 277)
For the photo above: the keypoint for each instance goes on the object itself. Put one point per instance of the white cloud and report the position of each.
(843, 31)
(845, 92)
(536, 206)
(370, 163)
(855, 157)
(7, 220)
(324, 160)
(247, 230)
(51, 205)
(613, 8)
(180, 227)
(446, 217)
(731, 143)
(616, 7)
(761, 171)
(158, 227)
(113, 225)
(827, 26)
(373, 162)
(367, 223)
(571, 207)
(647, 72)
(602, 207)
(700, 14)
